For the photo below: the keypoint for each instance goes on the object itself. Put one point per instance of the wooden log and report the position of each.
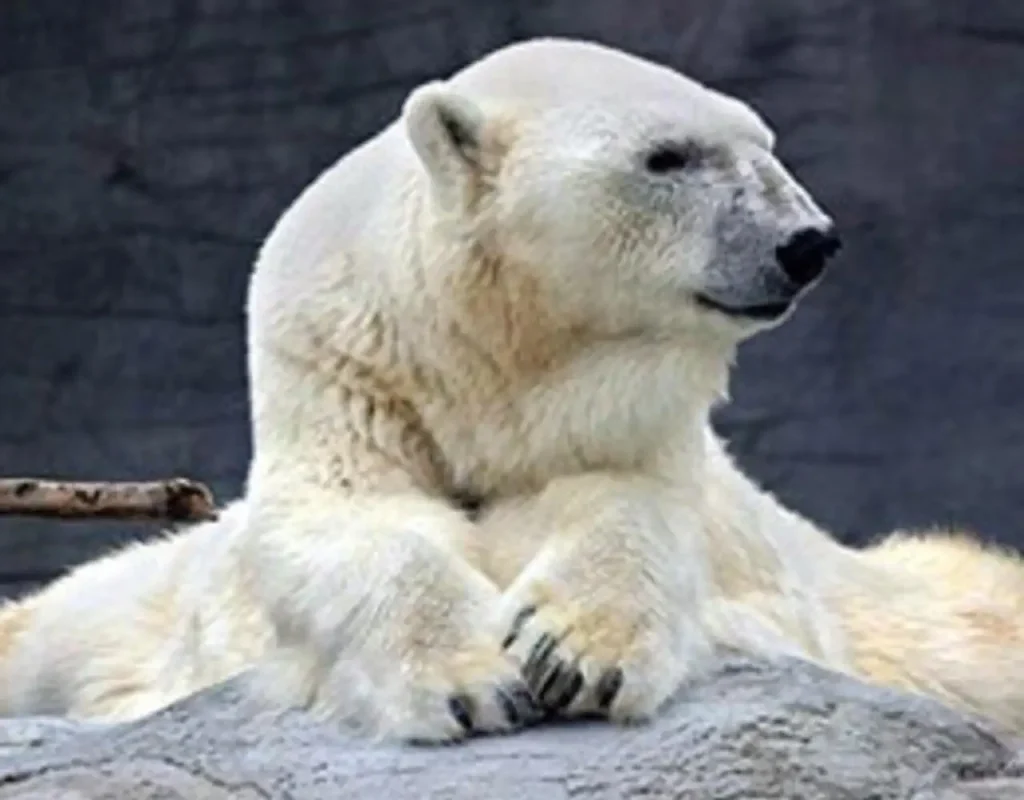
(174, 500)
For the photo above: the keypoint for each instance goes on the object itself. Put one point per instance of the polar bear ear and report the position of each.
(447, 132)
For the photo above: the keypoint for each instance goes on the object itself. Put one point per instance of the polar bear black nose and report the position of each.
(803, 257)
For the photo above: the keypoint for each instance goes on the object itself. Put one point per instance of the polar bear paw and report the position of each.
(438, 696)
(580, 659)
(478, 690)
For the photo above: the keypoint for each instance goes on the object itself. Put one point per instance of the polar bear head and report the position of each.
(638, 199)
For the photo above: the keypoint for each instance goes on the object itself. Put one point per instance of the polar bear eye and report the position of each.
(668, 158)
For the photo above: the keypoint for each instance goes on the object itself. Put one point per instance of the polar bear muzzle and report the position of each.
(800, 262)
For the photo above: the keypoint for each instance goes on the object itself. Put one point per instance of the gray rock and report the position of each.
(754, 730)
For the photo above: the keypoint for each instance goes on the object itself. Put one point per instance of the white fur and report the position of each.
(495, 297)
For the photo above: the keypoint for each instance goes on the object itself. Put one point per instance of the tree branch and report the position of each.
(176, 500)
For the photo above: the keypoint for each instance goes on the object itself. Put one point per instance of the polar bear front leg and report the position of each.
(604, 618)
(379, 623)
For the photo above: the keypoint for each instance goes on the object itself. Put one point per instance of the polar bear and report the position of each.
(521, 288)
(483, 349)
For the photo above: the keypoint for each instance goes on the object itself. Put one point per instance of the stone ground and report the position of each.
(755, 730)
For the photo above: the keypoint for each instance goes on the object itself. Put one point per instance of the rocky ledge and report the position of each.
(779, 729)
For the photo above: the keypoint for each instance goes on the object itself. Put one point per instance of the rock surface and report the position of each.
(755, 730)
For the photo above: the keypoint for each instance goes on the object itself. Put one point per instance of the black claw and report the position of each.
(527, 704)
(569, 691)
(517, 625)
(518, 704)
(460, 707)
(541, 652)
(560, 687)
(549, 680)
(536, 674)
(608, 687)
(509, 707)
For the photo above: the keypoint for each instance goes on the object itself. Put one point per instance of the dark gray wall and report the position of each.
(147, 146)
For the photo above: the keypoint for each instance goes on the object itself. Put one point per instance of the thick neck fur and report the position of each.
(460, 364)
(540, 394)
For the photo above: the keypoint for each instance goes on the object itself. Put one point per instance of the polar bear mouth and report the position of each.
(759, 311)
